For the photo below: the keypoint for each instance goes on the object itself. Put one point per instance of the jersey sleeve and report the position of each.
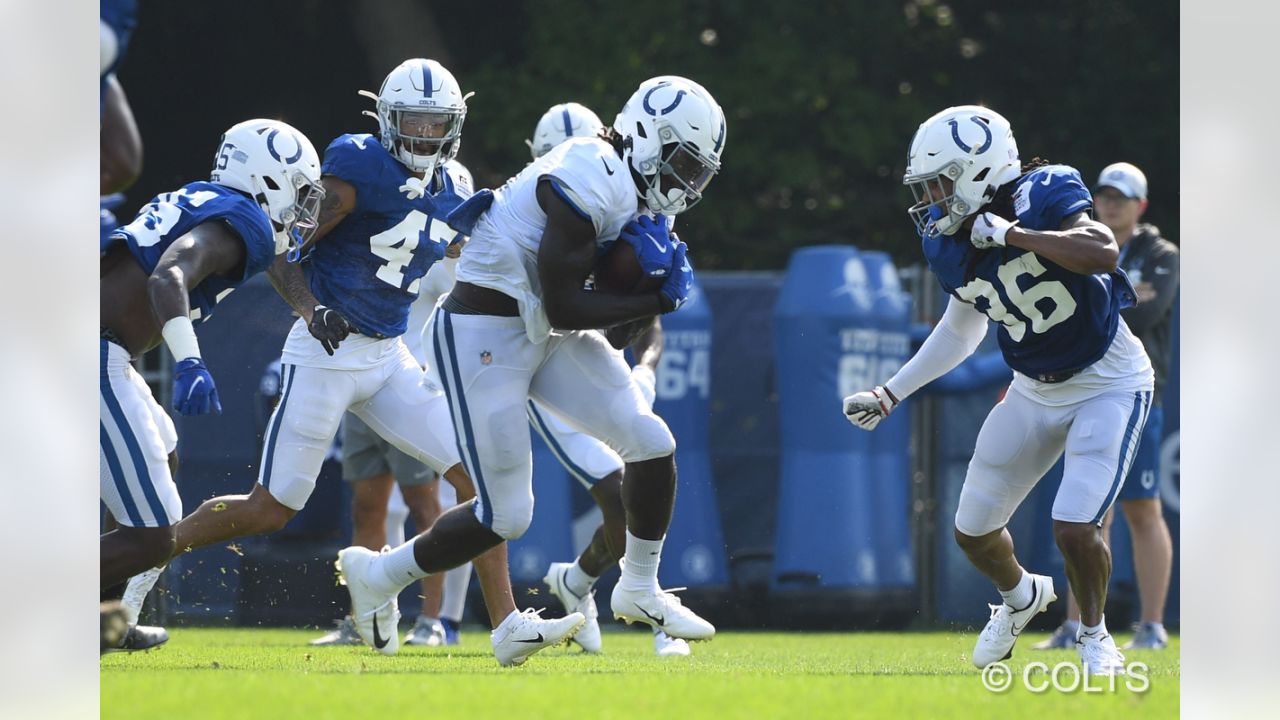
(1049, 195)
(582, 180)
(463, 185)
(345, 158)
(251, 224)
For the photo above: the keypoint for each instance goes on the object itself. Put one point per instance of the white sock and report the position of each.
(135, 593)
(640, 563)
(455, 592)
(1099, 629)
(396, 570)
(1019, 596)
(578, 580)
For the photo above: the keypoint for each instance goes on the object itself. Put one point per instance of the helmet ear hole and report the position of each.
(981, 175)
(270, 182)
(640, 130)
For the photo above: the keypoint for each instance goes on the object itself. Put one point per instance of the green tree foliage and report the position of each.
(822, 98)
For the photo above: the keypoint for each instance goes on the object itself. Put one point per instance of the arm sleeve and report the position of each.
(956, 336)
(1162, 272)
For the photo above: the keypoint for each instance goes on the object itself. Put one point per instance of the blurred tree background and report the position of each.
(821, 97)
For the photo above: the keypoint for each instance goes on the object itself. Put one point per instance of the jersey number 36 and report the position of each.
(1031, 303)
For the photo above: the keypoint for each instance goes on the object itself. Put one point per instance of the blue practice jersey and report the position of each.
(370, 265)
(172, 215)
(1051, 319)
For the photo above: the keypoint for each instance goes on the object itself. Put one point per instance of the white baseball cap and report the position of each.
(1126, 178)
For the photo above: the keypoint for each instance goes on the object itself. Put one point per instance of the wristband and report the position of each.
(180, 335)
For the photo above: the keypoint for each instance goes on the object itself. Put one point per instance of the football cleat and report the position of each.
(522, 634)
(376, 614)
(344, 634)
(588, 638)
(426, 631)
(113, 625)
(141, 637)
(996, 641)
(1063, 637)
(1148, 636)
(1099, 655)
(667, 646)
(452, 636)
(661, 610)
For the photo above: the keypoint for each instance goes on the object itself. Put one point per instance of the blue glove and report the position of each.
(676, 289)
(464, 217)
(652, 242)
(193, 390)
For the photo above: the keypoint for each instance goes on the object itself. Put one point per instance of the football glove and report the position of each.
(329, 327)
(867, 408)
(676, 289)
(651, 239)
(193, 390)
(989, 231)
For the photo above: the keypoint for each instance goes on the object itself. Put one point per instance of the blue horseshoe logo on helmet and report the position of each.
(955, 135)
(649, 108)
(271, 148)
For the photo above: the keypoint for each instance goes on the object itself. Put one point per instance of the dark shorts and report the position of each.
(365, 454)
(1144, 475)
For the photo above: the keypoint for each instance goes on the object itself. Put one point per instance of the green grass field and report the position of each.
(236, 674)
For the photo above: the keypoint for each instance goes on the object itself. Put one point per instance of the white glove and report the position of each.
(989, 230)
(644, 378)
(867, 408)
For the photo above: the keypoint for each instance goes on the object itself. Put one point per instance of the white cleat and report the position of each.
(588, 638)
(376, 614)
(1099, 655)
(522, 634)
(667, 646)
(661, 610)
(1006, 624)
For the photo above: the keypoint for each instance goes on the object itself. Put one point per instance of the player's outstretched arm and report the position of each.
(565, 259)
(955, 337)
(1083, 245)
(325, 324)
(211, 248)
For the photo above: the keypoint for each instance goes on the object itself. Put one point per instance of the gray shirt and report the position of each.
(1147, 257)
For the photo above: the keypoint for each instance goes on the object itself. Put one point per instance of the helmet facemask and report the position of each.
(422, 138)
(937, 210)
(683, 173)
(298, 221)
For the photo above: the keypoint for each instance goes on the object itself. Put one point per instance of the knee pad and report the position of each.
(650, 438)
(511, 522)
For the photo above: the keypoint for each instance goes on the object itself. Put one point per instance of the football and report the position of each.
(618, 271)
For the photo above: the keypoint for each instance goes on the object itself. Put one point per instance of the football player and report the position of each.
(588, 460)
(163, 273)
(523, 276)
(1016, 244)
(384, 222)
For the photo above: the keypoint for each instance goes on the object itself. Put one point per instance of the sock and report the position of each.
(455, 593)
(578, 580)
(1099, 629)
(1019, 596)
(396, 570)
(135, 593)
(640, 563)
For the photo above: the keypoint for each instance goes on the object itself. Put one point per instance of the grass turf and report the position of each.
(216, 673)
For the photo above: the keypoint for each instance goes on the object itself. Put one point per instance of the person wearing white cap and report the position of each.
(1120, 198)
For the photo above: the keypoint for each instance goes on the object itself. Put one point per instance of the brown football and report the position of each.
(618, 271)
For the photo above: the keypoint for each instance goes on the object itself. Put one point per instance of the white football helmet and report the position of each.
(677, 134)
(278, 167)
(560, 123)
(958, 159)
(420, 114)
